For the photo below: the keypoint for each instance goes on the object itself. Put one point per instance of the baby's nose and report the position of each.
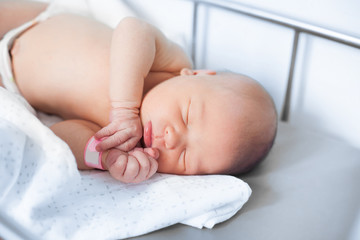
(171, 137)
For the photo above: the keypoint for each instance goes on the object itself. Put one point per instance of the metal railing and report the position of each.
(298, 27)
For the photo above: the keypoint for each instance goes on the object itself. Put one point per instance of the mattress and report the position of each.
(307, 188)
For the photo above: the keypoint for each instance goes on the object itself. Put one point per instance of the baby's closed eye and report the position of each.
(182, 159)
(187, 113)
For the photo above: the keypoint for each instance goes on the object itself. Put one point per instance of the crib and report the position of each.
(307, 188)
(296, 191)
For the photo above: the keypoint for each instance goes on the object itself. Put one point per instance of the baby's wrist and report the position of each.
(124, 114)
(125, 105)
(124, 109)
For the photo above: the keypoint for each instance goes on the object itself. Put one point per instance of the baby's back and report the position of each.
(62, 66)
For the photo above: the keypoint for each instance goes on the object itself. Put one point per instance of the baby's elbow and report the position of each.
(131, 25)
(128, 21)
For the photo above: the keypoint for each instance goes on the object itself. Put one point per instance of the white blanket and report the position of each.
(42, 190)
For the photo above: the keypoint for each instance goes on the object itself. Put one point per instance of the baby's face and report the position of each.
(191, 123)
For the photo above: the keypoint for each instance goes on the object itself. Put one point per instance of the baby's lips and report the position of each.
(148, 134)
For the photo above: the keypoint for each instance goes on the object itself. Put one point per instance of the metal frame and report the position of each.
(298, 27)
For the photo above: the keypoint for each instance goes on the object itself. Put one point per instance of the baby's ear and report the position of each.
(186, 72)
(204, 72)
(189, 72)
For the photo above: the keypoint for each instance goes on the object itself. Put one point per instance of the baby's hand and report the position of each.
(123, 132)
(133, 167)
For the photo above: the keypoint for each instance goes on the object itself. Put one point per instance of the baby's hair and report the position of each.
(255, 142)
(256, 153)
(255, 124)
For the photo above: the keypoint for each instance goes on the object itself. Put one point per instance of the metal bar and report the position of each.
(194, 33)
(297, 26)
(284, 21)
(286, 106)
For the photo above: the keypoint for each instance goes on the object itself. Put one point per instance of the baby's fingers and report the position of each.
(148, 165)
(106, 131)
(107, 143)
(129, 144)
(132, 170)
(122, 166)
(121, 140)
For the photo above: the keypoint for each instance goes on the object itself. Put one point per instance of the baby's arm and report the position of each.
(136, 49)
(16, 13)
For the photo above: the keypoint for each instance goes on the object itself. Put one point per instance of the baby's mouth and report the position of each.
(147, 136)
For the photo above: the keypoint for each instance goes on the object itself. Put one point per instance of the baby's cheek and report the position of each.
(162, 164)
(166, 164)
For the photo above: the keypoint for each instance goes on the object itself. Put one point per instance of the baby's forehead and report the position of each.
(227, 89)
(219, 142)
(230, 82)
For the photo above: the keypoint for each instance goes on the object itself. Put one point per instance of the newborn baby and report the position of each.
(130, 101)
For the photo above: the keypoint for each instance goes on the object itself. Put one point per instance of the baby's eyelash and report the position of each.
(187, 112)
(184, 161)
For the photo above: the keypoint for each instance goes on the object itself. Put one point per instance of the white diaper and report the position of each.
(7, 42)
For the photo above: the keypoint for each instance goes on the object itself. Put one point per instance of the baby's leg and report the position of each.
(15, 13)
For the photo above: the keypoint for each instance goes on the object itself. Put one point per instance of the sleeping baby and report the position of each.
(130, 101)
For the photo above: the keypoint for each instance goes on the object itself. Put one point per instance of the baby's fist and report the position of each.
(136, 166)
